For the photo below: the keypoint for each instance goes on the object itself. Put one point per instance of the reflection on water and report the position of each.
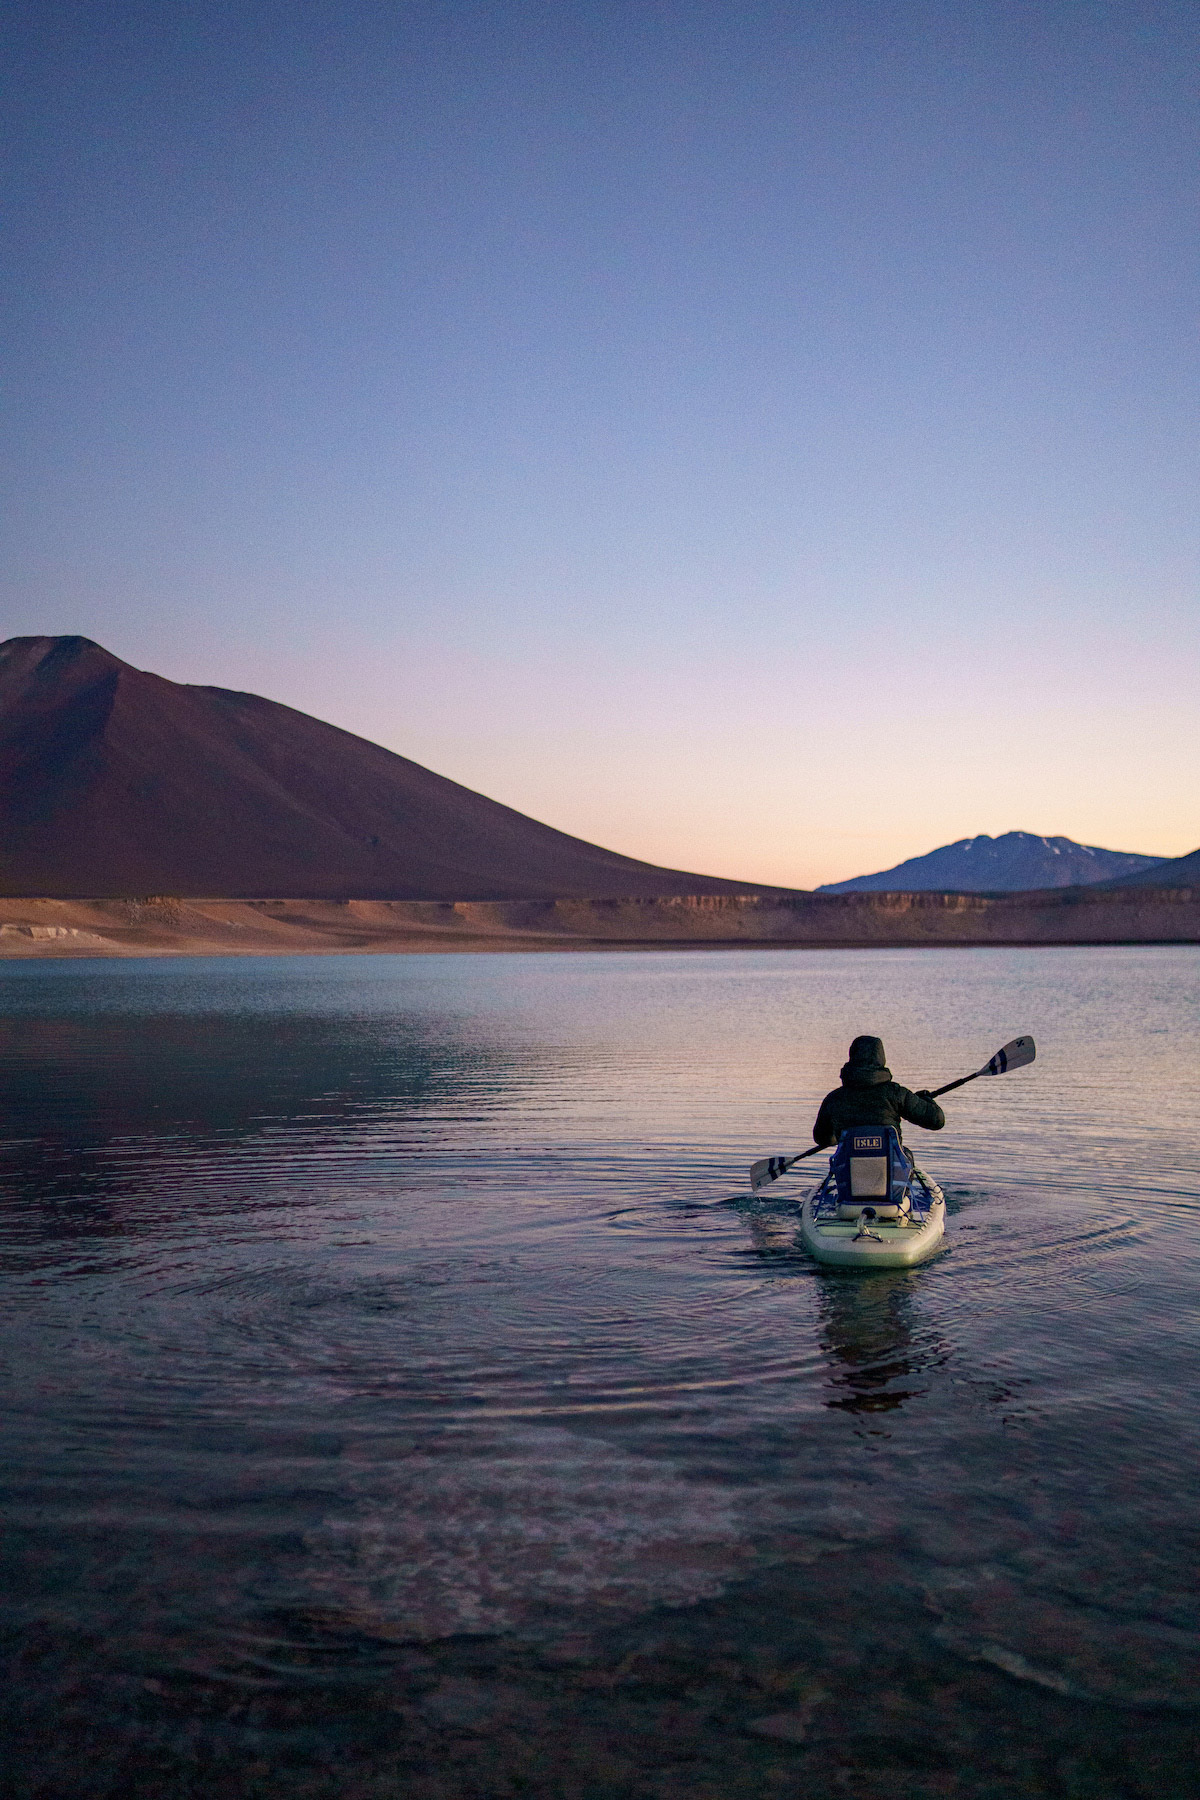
(384, 1405)
(877, 1350)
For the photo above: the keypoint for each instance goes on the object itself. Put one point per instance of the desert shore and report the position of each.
(171, 926)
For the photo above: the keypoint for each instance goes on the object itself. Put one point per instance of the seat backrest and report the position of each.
(865, 1165)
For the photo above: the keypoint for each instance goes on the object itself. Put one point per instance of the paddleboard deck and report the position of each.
(874, 1243)
(888, 1244)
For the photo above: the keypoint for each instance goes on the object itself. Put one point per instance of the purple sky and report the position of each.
(760, 438)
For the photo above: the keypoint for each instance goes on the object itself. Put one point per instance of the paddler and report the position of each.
(868, 1097)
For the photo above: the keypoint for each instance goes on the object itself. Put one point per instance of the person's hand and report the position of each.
(924, 1094)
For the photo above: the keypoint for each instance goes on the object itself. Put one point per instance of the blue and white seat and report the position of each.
(871, 1169)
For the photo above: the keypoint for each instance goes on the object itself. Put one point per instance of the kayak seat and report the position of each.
(871, 1168)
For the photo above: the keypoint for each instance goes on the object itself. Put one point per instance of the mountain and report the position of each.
(985, 865)
(114, 782)
(1173, 871)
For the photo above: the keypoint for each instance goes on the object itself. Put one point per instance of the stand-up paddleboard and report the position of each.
(859, 1235)
(875, 1209)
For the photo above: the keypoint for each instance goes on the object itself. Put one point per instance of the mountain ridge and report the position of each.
(117, 781)
(1173, 871)
(1014, 862)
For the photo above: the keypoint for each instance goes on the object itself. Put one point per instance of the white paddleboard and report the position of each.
(874, 1243)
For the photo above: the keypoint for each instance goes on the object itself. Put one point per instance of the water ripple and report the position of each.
(411, 1302)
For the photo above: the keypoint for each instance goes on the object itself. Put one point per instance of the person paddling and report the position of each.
(868, 1097)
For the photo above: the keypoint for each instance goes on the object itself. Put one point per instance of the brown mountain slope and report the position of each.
(117, 782)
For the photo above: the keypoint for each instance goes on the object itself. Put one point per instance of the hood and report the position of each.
(867, 1066)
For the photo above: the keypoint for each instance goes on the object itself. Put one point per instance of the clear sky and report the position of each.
(761, 438)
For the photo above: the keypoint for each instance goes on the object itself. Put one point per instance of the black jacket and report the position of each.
(869, 1097)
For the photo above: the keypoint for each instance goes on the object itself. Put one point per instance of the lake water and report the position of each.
(388, 1411)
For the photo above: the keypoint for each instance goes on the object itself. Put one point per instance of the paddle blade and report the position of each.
(1022, 1050)
(769, 1169)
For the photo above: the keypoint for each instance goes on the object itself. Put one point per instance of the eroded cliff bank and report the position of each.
(164, 925)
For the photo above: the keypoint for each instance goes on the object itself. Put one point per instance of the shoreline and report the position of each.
(168, 925)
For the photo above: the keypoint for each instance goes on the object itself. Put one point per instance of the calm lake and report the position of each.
(387, 1410)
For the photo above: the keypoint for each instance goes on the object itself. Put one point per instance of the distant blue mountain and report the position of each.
(987, 865)
(1175, 871)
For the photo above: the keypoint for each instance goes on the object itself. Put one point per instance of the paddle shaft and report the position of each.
(801, 1155)
(961, 1082)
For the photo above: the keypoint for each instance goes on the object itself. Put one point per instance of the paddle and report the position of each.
(1015, 1055)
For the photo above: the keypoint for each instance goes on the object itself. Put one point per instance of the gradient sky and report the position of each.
(761, 438)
